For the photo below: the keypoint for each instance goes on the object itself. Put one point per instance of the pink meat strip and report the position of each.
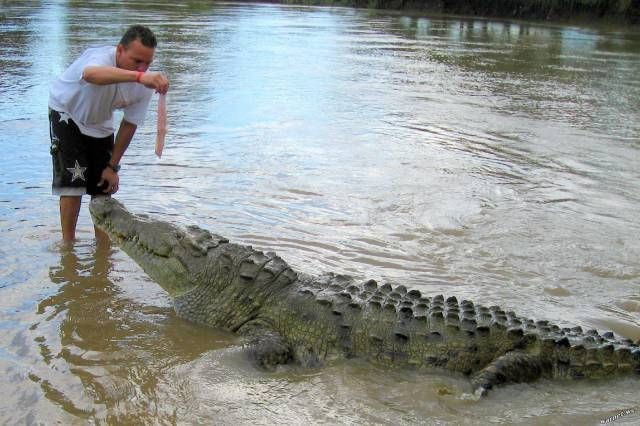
(162, 123)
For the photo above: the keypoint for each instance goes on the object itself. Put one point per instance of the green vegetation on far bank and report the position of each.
(619, 10)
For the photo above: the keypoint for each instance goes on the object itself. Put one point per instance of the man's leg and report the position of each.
(69, 211)
(99, 152)
(102, 238)
(69, 170)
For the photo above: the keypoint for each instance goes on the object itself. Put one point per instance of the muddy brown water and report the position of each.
(484, 159)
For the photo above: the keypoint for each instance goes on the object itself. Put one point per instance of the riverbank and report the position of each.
(627, 11)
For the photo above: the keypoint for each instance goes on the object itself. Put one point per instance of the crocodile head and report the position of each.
(169, 254)
(210, 280)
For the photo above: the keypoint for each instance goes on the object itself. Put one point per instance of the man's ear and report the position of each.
(119, 51)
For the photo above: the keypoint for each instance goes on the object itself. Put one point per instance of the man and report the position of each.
(81, 104)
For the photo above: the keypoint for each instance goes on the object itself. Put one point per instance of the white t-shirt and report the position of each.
(90, 105)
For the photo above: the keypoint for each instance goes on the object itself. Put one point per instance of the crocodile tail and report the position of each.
(595, 361)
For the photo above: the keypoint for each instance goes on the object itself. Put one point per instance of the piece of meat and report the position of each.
(162, 123)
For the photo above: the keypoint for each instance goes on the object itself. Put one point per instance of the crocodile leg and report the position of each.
(512, 367)
(268, 350)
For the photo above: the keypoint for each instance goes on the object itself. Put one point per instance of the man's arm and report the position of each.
(123, 139)
(112, 75)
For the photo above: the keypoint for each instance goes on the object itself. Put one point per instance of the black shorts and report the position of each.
(78, 159)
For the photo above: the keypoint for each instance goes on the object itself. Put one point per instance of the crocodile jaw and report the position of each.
(156, 246)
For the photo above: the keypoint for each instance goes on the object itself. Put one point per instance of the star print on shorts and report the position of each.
(77, 172)
(64, 117)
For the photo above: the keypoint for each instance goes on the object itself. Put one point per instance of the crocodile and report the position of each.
(287, 317)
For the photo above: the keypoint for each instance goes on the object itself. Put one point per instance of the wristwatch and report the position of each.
(115, 168)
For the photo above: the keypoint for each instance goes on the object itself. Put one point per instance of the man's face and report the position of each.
(135, 57)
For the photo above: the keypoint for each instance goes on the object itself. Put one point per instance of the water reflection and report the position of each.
(115, 356)
(521, 61)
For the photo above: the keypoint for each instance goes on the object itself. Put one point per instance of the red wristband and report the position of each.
(139, 76)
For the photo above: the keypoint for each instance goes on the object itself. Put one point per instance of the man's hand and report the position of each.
(110, 180)
(155, 80)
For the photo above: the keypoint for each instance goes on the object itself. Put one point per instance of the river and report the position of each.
(491, 160)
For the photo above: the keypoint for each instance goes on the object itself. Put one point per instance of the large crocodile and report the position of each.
(293, 317)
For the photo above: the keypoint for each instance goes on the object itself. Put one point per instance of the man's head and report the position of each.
(136, 49)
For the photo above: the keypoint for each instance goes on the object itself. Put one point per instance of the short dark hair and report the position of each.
(139, 32)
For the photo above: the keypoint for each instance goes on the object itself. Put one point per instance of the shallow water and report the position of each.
(488, 160)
